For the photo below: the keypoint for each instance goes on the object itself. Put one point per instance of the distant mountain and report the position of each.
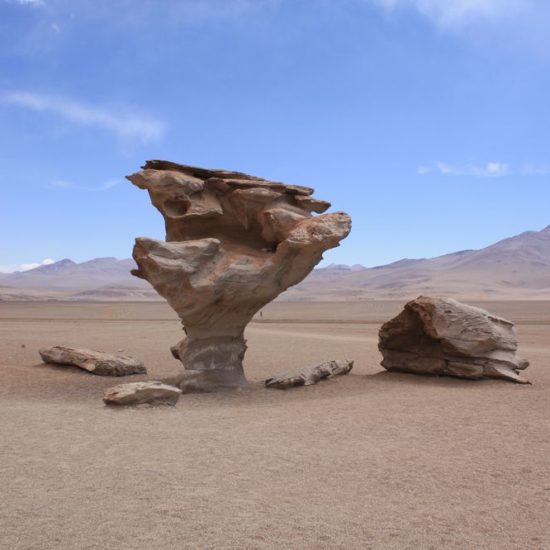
(518, 267)
(514, 268)
(68, 275)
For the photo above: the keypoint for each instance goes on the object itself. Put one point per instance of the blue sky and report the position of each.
(426, 120)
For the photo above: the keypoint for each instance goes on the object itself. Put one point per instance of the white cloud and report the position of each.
(32, 3)
(423, 170)
(65, 184)
(62, 184)
(488, 170)
(535, 169)
(456, 13)
(109, 185)
(25, 267)
(126, 126)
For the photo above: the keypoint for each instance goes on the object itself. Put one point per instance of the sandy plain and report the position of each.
(369, 460)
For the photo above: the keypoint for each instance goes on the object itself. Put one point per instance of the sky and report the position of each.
(426, 120)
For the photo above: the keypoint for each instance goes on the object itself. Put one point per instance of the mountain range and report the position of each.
(514, 268)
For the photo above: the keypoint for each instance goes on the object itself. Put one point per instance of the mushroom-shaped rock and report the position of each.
(234, 242)
(309, 375)
(96, 362)
(140, 393)
(442, 336)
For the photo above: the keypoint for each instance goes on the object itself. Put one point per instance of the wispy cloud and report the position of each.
(65, 184)
(457, 13)
(142, 13)
(61, 184)
(488, 170)
(32, 3)
(109, 185)
(535, 169)
(126, 126)
(24, 267)
(193, 12)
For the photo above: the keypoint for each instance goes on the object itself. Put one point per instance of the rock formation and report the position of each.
(445, 337)
(309, 375)
(233, 243)
(139, 393)
(96, 362)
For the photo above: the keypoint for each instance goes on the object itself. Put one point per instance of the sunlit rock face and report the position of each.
(445, 337)
(234, 242)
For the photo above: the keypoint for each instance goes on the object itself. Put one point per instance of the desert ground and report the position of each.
(369, 460)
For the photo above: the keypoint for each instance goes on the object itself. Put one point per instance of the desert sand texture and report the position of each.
(369, 460)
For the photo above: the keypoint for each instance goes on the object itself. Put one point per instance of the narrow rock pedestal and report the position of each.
(234, 242)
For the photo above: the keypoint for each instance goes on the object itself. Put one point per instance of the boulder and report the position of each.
(139, 393)
(309, 375)
(234, 242)
(442, 336)
(96, 362)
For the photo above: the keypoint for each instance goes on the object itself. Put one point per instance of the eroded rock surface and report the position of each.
(140, 393)
(96, 362)
(233, 243)
(309, 375)
(444, 337)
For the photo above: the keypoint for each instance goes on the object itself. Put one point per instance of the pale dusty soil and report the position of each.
(370, 460)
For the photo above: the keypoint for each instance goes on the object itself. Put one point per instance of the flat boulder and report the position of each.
(140, 393)
(96, 362)
(442, 336)
(309, 375)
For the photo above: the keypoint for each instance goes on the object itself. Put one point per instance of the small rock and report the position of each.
(139, 393)
(96, 362)
(309, 375)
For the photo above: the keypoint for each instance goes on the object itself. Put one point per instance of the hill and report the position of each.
(514, 268)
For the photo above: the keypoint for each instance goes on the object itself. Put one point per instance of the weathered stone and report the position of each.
(444, 337)
(233, 243)
(139, 393)
(309, 375)
(96, 362)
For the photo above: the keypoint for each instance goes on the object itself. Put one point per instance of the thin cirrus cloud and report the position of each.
(32, 3)
(535, 169)
(488, 170)
(65, 184)
(457, 13)
(125, 126)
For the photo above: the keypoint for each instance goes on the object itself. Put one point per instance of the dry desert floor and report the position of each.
(370, 460)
